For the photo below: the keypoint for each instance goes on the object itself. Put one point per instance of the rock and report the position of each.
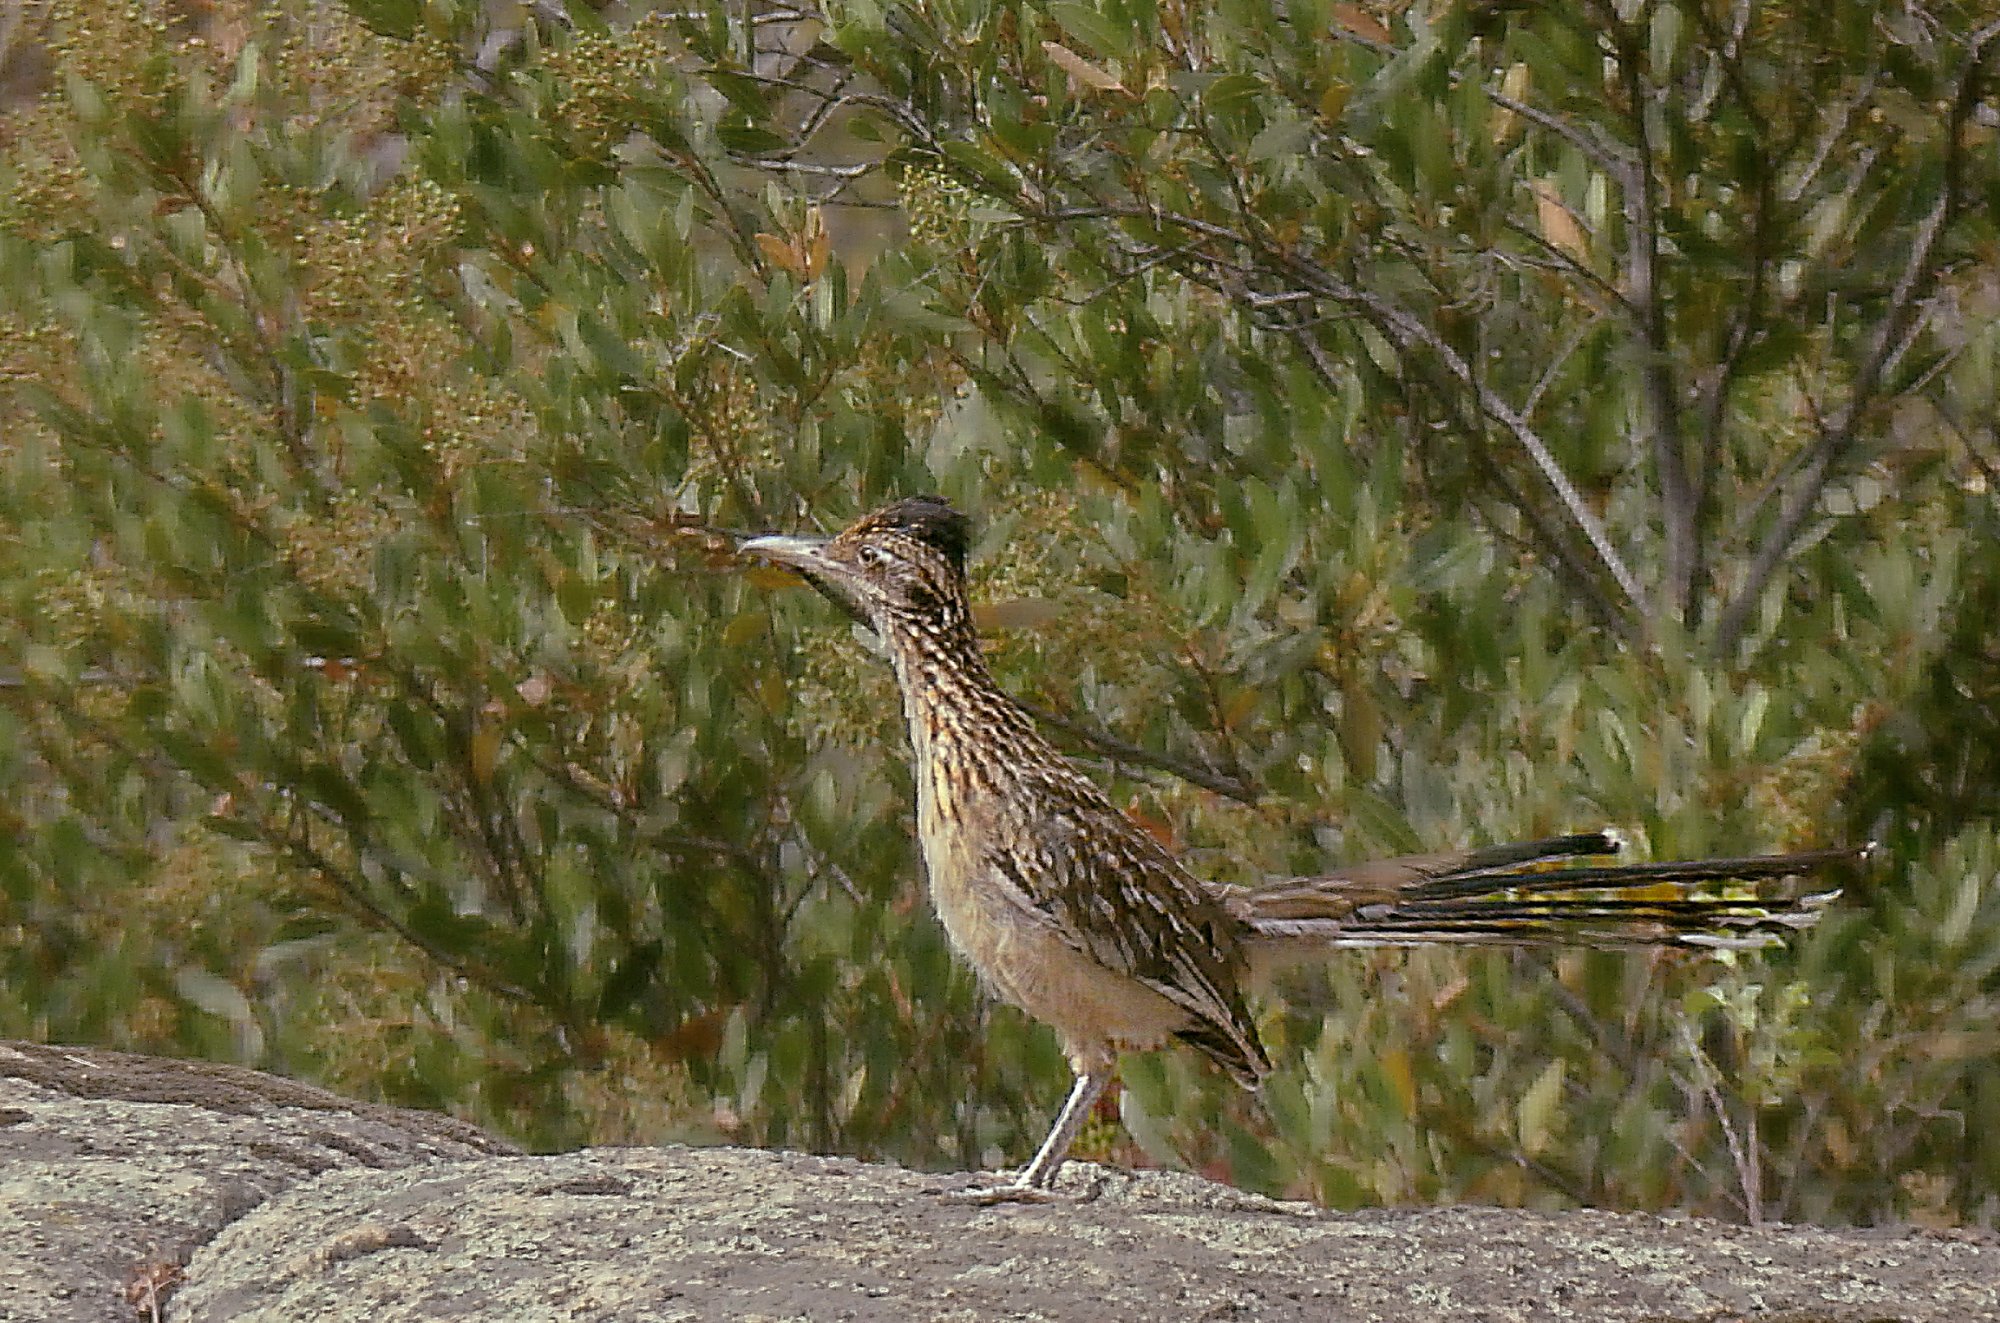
(115, 1168)
(284, 1202)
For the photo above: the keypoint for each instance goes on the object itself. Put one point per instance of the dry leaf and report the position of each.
(1515, 87)
(1017, 613)
(1240, 705)
(1397, 1069)
(696, 1038)
(780, 253)
(1450, 992)
(804, 254)
(1363, 24)
(1559, 225)
(484, 753)
(1082, 73)
(1152, 824)
(1334, 101)
(1539, 1113)
(817, 251)
(744, 629)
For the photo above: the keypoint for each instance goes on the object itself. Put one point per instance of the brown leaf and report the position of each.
(780, 253)
(803, 254)
(1515, 86)
(817, 252)
(1363, 24)
(1559, 225)
(1154, 826)
(696, 1038)
(1240, 705)
(1082, 73)
(1450, 992)
(1361, 726)
(1016, 613)
(485, 752)
(744, 629)
(1333, 102)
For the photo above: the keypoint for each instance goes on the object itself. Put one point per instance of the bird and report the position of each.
(1071, 911)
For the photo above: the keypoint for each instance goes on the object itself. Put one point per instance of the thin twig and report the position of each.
(1607, 156)
(1748, 1171)
(1104, 742)
(1547, 379)
(1988, 468)
(1606, 294)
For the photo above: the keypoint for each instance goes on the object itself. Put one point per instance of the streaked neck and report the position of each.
(962, 724)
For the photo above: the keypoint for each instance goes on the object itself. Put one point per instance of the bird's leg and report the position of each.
(1034, 1183)
(1089, 1087)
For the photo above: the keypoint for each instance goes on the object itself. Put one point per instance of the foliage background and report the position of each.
(1390, 424)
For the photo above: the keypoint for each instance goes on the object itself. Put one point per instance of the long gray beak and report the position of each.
(805, 557)
(799, 553)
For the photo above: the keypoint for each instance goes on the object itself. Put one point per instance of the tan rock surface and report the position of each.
(286, 1203)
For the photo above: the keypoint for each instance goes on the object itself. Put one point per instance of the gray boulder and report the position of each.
(130, 1185)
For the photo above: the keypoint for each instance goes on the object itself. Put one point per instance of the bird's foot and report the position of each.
(1013, 1192)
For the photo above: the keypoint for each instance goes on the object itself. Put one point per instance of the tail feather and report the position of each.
(1512, 896)
(1486, 859)
(1613, 877)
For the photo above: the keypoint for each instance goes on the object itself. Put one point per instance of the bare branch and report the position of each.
(1607, 156)
(1749, 318)
(1104, 742)
(1989, 467)
(1743, 1151)
(1898, 327)
(1836, 128)
(1548, 377)
(1569, 562)
(1656, 366)
(1408, 332)
(785, 164)
(1607, 294)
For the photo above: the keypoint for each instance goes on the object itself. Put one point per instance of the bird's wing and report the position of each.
(1119, 897)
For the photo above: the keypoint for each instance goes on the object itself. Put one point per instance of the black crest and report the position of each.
(931, 521)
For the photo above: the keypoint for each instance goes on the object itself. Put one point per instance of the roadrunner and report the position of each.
(1072, 912)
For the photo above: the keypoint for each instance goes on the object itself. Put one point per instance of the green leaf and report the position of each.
(1538, 1116)
(750, 139)
(1087, 24)
(391, 18)
(988, 168)
(1231, 93)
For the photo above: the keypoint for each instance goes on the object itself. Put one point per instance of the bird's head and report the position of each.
(899, 571)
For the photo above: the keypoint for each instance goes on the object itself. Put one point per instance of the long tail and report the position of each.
(1537, 894)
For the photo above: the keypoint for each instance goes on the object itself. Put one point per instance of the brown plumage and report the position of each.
(1069, 910)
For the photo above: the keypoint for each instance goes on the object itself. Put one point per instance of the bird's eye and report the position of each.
(870, 557)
